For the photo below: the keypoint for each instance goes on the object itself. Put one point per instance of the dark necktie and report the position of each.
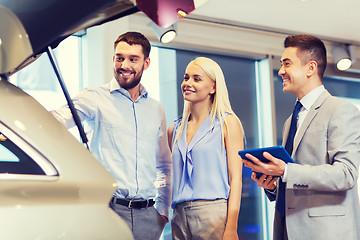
(280, 204)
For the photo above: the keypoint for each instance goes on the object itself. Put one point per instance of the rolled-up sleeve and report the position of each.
(164, 170)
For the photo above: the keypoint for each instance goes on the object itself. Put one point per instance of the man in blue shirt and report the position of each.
(128, 136)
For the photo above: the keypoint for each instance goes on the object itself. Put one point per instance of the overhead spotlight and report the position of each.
(344, 56)
(164, 35)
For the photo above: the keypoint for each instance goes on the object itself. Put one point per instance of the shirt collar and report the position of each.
(114, 86)
(309, 99)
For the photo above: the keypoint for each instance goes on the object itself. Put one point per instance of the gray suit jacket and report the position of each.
(322, 200)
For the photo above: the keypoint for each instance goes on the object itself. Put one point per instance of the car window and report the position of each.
(18, 157)
(14, 160)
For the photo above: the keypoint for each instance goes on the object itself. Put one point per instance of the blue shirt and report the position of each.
(129, 138)
(200, 168)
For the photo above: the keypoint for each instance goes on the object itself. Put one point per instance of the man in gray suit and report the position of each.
(320, 189)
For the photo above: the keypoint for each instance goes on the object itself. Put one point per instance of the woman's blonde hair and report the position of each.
(219, 102)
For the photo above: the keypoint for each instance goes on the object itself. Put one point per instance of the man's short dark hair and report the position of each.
(311, 48)
(136, 38)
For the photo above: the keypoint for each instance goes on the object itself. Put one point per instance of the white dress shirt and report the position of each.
(307, 101)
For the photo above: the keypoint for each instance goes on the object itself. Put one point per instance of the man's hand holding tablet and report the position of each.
(269, 161)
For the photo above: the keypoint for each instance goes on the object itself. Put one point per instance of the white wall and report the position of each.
(99, 49)
(192, 34)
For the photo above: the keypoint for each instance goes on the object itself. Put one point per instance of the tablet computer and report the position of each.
(276, 151)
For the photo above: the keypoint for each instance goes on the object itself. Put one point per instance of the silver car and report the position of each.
(51, 187)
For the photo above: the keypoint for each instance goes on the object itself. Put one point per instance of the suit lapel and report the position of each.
(309, 117)
(286, 130)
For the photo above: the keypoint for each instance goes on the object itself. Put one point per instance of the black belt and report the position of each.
(133, 203)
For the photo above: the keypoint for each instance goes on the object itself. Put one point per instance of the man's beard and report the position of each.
(127, 84)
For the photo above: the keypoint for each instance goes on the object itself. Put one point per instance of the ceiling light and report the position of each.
(344, 56)
(181, 13)
(164, 35)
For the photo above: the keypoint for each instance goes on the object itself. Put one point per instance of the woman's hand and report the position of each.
(230, 234)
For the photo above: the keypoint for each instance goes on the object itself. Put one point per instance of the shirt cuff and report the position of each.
(162, 209)
(273, 191)
(284, 177)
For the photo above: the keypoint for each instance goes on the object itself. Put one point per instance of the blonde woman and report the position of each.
(207, 169)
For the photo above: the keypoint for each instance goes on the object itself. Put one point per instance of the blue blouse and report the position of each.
(200, 168)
